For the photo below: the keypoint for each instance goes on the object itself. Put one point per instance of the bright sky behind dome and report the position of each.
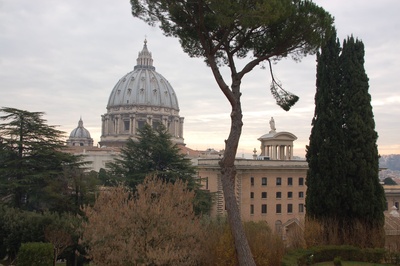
(64, 58)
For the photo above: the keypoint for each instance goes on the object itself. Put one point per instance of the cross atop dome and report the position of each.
(144, 59)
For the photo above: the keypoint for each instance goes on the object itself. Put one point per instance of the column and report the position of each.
(176, 127)
(103, 125)
(181, 127)
(132, 125)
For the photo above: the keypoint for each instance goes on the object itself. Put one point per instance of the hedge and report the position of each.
(35, 254)
(329, 253)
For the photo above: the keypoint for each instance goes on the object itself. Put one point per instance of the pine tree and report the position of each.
(343, 190)
(224, 32)
(154, 154)
(31, 156)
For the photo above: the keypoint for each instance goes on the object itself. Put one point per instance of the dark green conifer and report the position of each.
(362, 159)
(31, 159)
(325, 151)
(154, 154)
(343, 190)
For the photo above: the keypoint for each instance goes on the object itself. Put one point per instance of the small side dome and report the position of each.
(80, 136)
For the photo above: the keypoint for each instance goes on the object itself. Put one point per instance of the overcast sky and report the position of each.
(64, 58)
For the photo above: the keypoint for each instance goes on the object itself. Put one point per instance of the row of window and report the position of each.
(278, 181)
(278, 208)
(278, 195)
(140, 124)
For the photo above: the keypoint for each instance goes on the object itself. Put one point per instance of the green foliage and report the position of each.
(18, 226)
(317, 254)
(337, 261)
(219, 30)
(342, 154)
(35, 254)
(32, 160)
(155, 155)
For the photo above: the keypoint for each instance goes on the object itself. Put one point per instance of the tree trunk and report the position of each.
(228, 171)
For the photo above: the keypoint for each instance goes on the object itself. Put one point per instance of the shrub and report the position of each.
(337, 261)
(35, 254)
(154, 226)
(329, 253)
(333, 232)
(267, 248)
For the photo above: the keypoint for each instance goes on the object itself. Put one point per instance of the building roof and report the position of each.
(143, 86)
(80, 132)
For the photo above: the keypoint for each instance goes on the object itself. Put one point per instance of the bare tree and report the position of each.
(154, 226)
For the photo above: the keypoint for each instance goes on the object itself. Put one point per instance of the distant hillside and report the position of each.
(392, 163)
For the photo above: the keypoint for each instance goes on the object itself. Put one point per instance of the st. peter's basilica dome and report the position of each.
(139, 97)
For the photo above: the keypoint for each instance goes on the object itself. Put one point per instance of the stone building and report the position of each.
(271, 187)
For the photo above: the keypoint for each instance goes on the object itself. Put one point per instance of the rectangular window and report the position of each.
(126, 125)
(289, 208)
(278, 195)
(301, 194)
(290, 195)
(301, 208)
(156, 124)
(251, 209)
(278, 181)
(290, 181)
(251, 195)
(278, 208)
(252, 181)
(263, 195)
(264, 181)
(264, 208)
(141, 124)
(301, 181)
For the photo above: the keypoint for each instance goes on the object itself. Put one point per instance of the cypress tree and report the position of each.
(362, 159)
(343, 190)
(325, 152)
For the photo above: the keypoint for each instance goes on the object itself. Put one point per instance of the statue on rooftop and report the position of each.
(272, 124)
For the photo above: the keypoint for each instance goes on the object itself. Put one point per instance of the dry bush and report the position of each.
(267, 248)
(295, 237)
(155, 226)
(332, 232)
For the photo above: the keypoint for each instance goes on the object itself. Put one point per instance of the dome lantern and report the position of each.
(144, 59)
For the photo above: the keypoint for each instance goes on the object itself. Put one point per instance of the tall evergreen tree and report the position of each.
(325, 151)
(343, 190)
(32, 158)
(154, 154)
(362, 158)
